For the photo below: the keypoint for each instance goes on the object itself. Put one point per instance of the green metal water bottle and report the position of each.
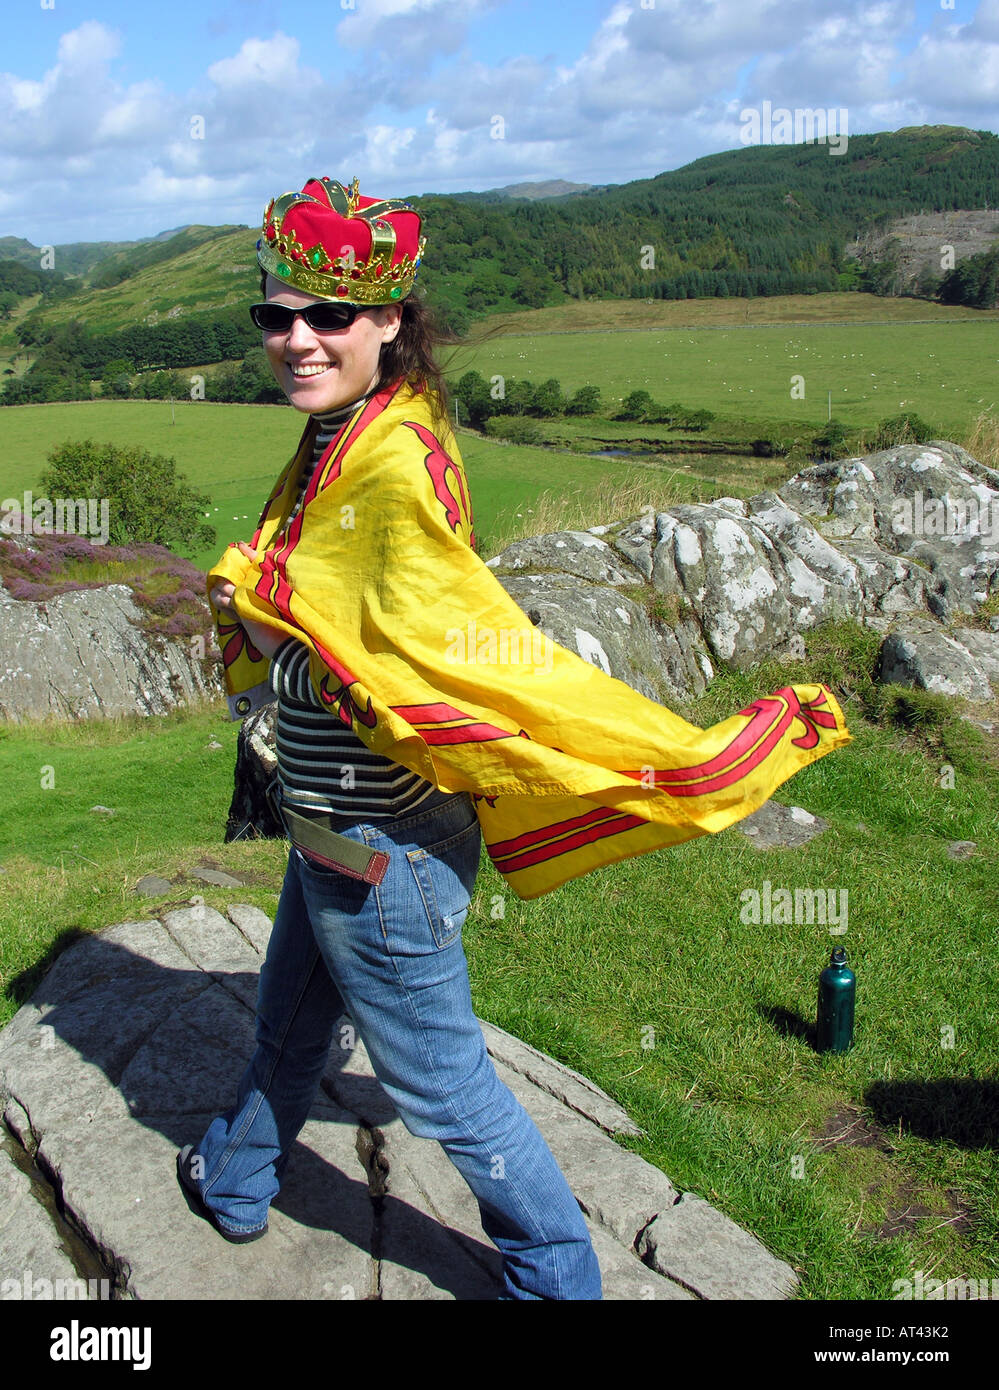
(837, 993)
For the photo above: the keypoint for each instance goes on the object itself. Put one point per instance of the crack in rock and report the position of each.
(74, 1239)
(370, 1145)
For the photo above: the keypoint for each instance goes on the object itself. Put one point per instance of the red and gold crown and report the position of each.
(331, 242)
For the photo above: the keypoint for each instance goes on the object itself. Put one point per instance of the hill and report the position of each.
(72, 257)
(763, 220)
(547, 188)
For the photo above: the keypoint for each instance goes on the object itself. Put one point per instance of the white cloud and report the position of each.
(404, 98)
(959, 64)
(22, 96)
(91, 45)
(137, 116)
(59, 114)
(409, 31)
(260, 63)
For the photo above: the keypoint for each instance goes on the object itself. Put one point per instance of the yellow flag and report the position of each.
(417, 647)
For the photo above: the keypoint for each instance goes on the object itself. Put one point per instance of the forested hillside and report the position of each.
(770, 219)
(764, 220)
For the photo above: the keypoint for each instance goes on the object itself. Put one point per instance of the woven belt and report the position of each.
(317, 841)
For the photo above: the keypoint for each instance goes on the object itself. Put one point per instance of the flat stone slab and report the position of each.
(152, 886)
(707, 1253)
(139, 1035)
(560, 1081)
(216, 877)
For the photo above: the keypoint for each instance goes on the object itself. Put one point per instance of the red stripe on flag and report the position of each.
(429, 714)
(763, 711)
(542, 854)
(547, 832)
(468, 733)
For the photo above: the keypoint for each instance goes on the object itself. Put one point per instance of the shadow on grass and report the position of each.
(787, 1023)
(962, 1110)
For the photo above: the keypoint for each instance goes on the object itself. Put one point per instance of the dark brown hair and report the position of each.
(412, 353)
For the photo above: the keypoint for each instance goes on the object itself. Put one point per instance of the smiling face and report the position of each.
(323, 371)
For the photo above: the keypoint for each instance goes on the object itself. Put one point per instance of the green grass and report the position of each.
(944, 371)
(235, 452)
(733, 357)
(68, 867)
(231, 452)
(601, 315)
(731, 1096)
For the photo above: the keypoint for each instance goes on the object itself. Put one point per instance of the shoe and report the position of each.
(197, 1204)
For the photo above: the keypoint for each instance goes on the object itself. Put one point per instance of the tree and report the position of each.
(451, 318)
(162, 386)
(531, 288)
(636, 406)
(586, 401)
(226, 384)
(472, 394)
(549, 399)
(257, 383)
(116, 379)
(519, 398)
(148, 500)
(973, 281)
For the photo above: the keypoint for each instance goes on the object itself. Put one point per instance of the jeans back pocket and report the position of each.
(445, 876)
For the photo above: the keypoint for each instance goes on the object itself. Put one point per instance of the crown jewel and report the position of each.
(329, 241)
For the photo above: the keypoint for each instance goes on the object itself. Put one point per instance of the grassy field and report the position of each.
(944, 370)
(856, 1169)
(233, 453)
(608, 315)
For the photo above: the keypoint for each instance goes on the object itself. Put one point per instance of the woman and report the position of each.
(420, 714)
(383, 862)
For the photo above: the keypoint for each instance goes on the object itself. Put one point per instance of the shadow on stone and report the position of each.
(118, 1040)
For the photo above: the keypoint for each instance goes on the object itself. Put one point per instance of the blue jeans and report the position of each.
(391, 956)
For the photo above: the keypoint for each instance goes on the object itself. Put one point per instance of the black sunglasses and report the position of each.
(322, 318)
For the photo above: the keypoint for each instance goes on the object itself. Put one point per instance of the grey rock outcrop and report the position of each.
(909, 531)
(84, 654)
(921, 654)
(932, 506)
(913, 243)
(138, 1036)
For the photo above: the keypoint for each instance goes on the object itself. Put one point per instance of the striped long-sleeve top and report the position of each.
(321, 765)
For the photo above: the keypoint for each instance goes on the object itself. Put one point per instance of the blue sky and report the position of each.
(119, 119)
